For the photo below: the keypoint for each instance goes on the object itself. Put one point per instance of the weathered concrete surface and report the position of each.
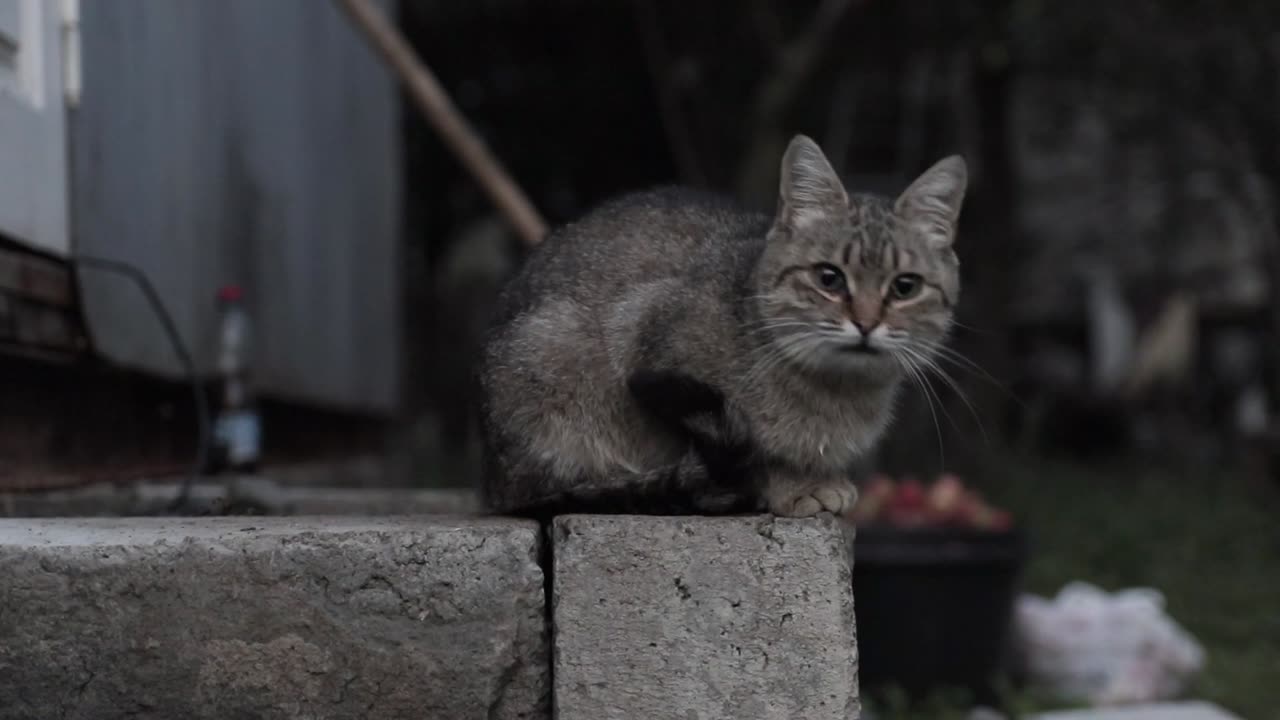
(272, 618)
(706, 618)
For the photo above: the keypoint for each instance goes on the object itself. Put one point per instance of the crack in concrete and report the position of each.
(766, 528)
(346, 685)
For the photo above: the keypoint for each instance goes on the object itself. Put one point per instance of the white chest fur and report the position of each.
(815, 432)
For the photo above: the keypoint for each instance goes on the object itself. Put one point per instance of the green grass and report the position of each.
(1209, 540)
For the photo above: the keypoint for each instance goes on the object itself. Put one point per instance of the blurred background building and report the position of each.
(198, 145)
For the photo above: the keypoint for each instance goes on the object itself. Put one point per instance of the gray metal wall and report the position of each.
(246, 141)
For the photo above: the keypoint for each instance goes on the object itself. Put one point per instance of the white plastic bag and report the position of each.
(1105, 648)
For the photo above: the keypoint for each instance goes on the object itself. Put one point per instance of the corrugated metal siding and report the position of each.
(249, 142)
(33, 195)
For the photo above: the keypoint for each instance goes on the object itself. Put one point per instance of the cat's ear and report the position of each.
(931, 205)
(809, 190)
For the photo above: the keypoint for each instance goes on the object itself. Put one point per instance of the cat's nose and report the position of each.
(864, 312)
(865, 327)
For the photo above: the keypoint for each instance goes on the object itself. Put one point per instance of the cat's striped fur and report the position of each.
(672, 352)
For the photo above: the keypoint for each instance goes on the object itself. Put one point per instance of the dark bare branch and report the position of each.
(797, 62)
(673, 121)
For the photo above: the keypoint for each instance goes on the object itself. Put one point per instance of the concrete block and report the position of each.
(706, 618)
(272, 618)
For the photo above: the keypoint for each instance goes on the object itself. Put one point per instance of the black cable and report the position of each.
(203, 420)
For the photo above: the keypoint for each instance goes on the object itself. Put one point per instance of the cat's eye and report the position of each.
(829, 277)
(906, 286)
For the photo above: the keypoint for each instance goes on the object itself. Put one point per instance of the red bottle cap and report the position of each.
(230, 293)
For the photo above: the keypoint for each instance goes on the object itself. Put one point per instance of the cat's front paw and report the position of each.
(807, 500)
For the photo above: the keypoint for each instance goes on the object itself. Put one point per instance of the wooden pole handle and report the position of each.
(445, 118)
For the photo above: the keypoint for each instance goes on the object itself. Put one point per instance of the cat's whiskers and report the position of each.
(766, 327)
(961, 362)
(920, 380)
(925, 368)
(969, 328)
(926, 362)
(775, 353)
(942, 349)
(798, 349)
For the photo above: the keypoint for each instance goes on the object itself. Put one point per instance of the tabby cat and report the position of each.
(672, 352)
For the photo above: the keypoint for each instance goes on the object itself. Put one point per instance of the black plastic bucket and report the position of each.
(934, 607)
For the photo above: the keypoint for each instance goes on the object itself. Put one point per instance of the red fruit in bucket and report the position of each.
(910, 494)
(907, 507)
(880, 485)
(982, 516)
(872, 499)
(1001, 520)
(971, 510)
(945, 496)
(903, 516)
